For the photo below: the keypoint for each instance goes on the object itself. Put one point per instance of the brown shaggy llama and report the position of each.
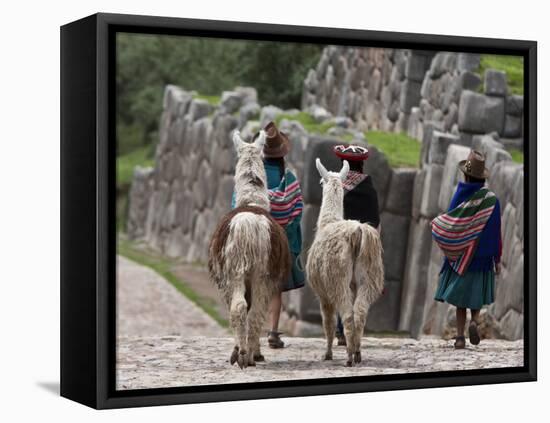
(344, 266)
(249, 257)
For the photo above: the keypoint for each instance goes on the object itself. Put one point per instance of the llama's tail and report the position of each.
(368, 267)
(248, 243)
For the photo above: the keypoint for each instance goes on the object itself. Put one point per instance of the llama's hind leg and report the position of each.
(256, 320)
(360, 310)
(349, 328)
(237, 320)
(327, 313)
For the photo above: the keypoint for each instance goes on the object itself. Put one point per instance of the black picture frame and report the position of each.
(88, 232)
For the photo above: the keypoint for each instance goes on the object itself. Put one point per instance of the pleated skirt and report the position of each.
(472, 290)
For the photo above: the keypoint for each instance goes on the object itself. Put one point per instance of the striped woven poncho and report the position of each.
(286, 199)
(457, 231)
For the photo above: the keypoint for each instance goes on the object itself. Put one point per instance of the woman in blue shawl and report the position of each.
(469, 236)
(286, 208)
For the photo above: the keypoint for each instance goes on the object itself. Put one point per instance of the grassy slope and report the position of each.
(400, 149)
(163, 267)
(512, 65)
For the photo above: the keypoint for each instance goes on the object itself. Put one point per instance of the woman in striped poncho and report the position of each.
(469, 236)
(285, 196)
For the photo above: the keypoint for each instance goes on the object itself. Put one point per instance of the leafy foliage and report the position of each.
(147, 63)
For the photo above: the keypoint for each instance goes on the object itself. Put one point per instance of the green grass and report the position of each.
(163, 267)
(125, 164)
(517, 156)
(400, 149)
(307, 121)
(214, 100)
(512, 65)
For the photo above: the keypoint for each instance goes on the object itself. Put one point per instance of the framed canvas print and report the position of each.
(259, 211)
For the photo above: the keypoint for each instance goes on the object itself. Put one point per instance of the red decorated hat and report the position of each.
(351, 152)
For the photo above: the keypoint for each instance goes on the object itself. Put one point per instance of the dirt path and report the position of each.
(148, 305)
(156, 362)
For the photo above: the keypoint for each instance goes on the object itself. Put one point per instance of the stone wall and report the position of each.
(175, 206)
(403, 90)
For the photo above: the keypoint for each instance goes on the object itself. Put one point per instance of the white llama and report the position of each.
(249, 257)
(344, 266)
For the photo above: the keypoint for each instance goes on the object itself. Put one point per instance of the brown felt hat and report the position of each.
(474, 165)
(276, 142)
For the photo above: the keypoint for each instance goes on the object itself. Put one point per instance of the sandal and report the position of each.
(274, 341)
(473, 333)
(460, 343)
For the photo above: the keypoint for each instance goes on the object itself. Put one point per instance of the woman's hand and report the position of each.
(497, 268)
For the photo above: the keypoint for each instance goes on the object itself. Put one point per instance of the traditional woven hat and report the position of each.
(474, 165)
(276, 142)
(351, 152)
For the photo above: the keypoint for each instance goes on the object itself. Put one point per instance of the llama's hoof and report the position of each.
(357, 357)
(349, 363)
(242, 359)
(259, 357)
(328, 356)
(234, 355)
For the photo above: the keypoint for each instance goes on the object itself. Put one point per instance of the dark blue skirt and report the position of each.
(297, 277)
(471, 290)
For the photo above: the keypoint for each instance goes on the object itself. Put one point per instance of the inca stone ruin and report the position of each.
(436, 98)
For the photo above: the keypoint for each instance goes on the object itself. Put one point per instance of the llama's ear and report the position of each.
(237, 140)
(322, 171)
(344, 171)
(259, 142)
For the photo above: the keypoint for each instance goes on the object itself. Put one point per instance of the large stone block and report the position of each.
(413, 294)
(248, 94)
(138, 201)
(383, 315)
(435, 313)
(501, 180)
(511, 325)
(467, 62)
(451, 174)
(418, 188)
(410, 95)
(512, 126)
(268, 114)
(509, 289)
(429, 127)
(417, 65)
(318, 147)
(470, 81)
(495, 83)
(378, 168)
(479, 113)
(429, 202)
(230, 101)
(399, 198)
(394, 233)
(439, 146)
(199, 108)
(442, 62)
(250, 111)
(514, 105)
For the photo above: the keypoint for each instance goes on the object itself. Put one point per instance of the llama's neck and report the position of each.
(251, 183)
(332, 204)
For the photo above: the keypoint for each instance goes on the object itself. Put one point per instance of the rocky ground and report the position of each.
(165, 340)
(171, 361)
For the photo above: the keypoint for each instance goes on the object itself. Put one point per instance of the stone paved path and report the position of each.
(154, 362)
(148, 305)
(165, 340)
